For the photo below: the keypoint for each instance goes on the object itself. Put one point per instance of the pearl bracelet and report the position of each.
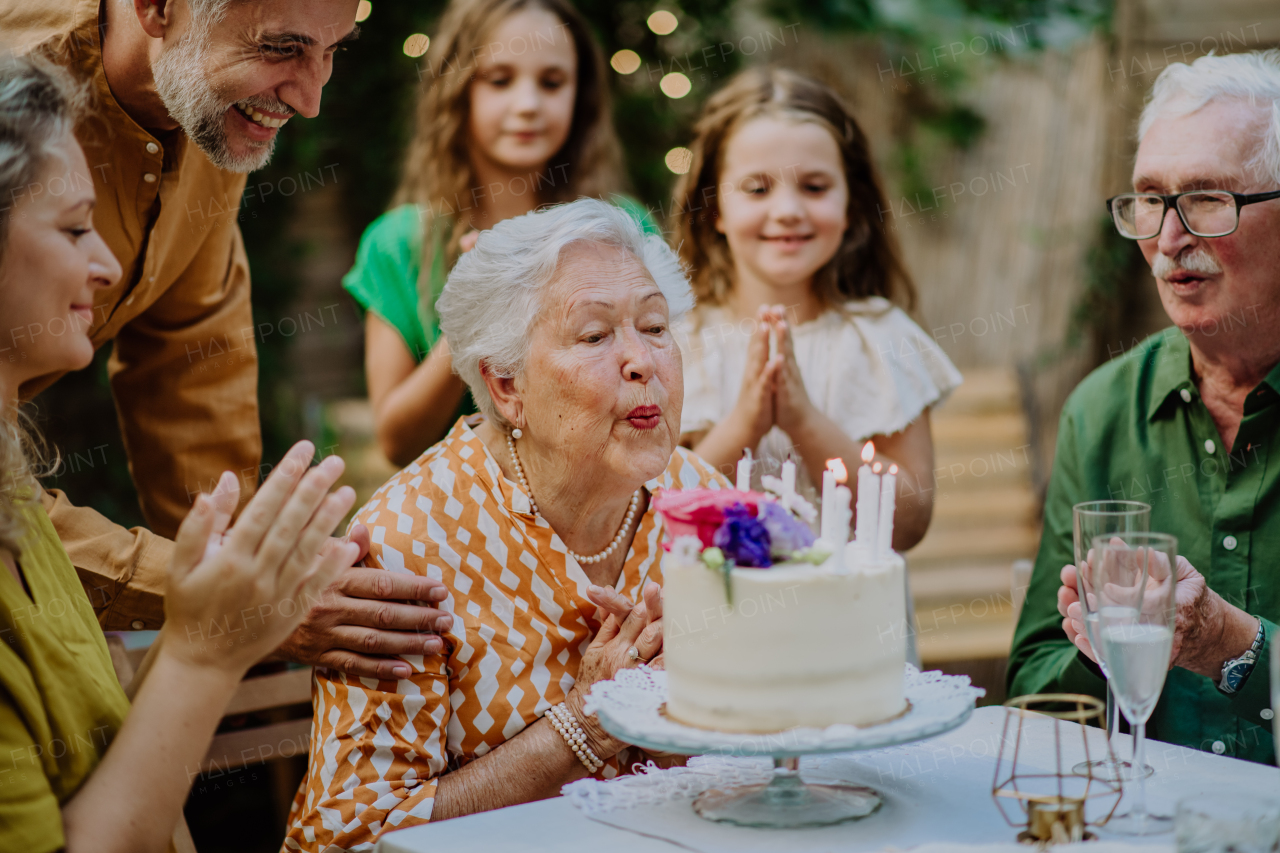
(562, 719)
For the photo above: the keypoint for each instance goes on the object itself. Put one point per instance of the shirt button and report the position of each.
(152, 148)
(1229, 542)
(1209, 445)
(137, 624)
(1219, 747)
(149, 178)
(1267, 714)
(1186, 395)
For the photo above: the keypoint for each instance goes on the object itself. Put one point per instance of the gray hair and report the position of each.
(39, 104)
(207, 12)
(494, 295)
(1251, 77)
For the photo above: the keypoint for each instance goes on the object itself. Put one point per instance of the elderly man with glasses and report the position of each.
(1186, 421)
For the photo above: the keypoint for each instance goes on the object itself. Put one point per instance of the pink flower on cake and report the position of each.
(700, 512)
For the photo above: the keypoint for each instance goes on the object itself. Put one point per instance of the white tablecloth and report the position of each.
(937, 799)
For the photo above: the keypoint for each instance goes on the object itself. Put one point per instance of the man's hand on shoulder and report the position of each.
(367, 617)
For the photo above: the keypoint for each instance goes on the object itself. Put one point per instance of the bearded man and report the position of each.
(1186, 421)
(187, 96)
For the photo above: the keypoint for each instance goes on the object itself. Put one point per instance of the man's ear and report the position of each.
(155, 16)
(506, 398)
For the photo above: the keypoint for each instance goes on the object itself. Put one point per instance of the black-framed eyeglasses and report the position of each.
(1204, 213)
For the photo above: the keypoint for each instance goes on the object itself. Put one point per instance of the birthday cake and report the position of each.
(767, 628)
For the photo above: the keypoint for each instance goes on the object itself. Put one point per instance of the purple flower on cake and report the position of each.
(787, 534)
(743, 538)
(700, 512)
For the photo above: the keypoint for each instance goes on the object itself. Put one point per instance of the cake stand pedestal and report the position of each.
(787, 801)
(632, 707)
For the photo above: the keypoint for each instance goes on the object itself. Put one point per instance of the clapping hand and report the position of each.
(235, 592)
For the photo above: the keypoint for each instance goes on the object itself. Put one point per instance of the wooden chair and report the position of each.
(242, 746)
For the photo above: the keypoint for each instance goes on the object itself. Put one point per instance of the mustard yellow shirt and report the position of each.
(60, 702)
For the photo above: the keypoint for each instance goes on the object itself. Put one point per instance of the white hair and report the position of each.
(494, 295)
(1251, 77)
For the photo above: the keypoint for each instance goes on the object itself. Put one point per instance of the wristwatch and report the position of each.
(1236, 670)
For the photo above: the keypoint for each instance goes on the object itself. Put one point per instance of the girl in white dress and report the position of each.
(796, 346)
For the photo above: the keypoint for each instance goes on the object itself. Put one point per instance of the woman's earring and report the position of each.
(517, 433)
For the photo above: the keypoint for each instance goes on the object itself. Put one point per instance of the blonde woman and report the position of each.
(514, 114)
(79, 768)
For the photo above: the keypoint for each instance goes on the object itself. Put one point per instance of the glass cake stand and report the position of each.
(632, 707)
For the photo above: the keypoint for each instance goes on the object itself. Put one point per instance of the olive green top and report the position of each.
(60, 702)
(1136, 429)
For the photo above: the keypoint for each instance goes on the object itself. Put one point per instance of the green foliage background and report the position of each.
(365, 123)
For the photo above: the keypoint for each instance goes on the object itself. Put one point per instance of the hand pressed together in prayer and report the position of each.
(623, 625)
(1208, 632)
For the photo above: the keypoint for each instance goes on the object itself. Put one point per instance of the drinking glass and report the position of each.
(1134, 579)
(1090, 519)
(1227, 823)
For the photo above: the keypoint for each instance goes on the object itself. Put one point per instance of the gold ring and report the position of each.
(633, 654)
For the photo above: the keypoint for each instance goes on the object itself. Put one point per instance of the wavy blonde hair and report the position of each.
(39, 104)
(868, 261)
(437, 170)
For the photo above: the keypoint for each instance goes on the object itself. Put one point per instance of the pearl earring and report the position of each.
(517, 433)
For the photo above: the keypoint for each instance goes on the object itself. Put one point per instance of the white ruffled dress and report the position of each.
(873, 372)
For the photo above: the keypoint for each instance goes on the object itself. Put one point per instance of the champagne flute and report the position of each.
(1134, 579)
(1091, 519)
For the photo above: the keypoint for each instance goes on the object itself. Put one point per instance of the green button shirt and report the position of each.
(1136, 429)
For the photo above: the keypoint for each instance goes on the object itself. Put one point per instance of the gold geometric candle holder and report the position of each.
(1052, 800)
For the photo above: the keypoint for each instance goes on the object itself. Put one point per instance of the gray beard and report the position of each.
(183, 87)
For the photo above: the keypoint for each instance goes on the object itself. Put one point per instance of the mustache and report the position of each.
(262, 102)
(1195, 261)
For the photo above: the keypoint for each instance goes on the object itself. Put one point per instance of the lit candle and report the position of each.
(831, 516)
(788, 477)
(868, 502)
(888, 500)
(744, 471)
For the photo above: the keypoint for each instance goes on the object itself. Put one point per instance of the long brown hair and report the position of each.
(868, 262)
(437, 171)
(39, 103)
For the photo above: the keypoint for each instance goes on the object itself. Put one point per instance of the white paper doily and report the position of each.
(629, 708)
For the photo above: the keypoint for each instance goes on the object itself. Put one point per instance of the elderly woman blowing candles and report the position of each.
(533, 513)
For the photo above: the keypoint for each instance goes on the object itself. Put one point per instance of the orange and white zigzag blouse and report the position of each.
(521, 623)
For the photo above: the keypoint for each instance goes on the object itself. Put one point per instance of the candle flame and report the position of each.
(875, 469)
(836, 467)
(868, 452)
(893, 469)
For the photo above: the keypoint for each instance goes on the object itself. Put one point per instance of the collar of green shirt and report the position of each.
(1173, 375)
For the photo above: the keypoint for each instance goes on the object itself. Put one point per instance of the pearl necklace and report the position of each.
(617, 540)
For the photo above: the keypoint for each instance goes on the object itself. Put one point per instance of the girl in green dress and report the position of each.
(514, 114)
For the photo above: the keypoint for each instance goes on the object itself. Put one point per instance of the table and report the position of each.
(937, 793)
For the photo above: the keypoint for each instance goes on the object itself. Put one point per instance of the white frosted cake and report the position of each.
(798, 644)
